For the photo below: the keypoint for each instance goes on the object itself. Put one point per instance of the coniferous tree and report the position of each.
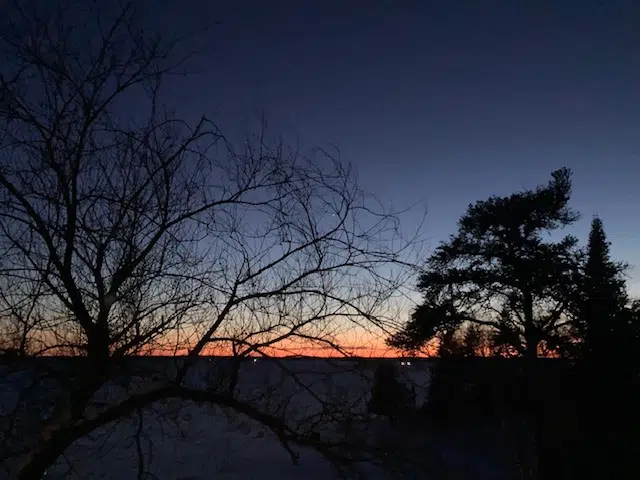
(388, 394)
(501, 273)
(606, 325)
(498, 272)
(601, 321)
(631, 325)
(450, 344)
(473, 341)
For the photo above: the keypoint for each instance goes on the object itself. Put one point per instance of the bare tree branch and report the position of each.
(127, 231)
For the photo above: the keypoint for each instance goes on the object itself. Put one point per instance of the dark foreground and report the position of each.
(467, 418)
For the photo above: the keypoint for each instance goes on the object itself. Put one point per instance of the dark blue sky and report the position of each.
(443, 103)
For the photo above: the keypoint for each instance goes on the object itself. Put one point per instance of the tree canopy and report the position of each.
(604, 318)
(499, 272)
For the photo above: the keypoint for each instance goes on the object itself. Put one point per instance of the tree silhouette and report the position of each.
(126, 230)
(498, 272)
(388, 394)
(451, 344)
(629, 323)
(474, 341)
(602, 299)
(606, 327)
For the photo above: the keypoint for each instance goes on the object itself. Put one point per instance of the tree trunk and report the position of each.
(531, 336)
(531, 443)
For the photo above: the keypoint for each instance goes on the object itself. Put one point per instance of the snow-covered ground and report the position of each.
(200, 442)
(206, 446)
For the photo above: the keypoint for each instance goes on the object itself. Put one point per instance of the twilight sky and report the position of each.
(439, 102)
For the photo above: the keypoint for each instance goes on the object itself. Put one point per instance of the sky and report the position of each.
(436, 103)
(439, 103)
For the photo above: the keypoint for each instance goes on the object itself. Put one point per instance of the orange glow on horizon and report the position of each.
(289, 348)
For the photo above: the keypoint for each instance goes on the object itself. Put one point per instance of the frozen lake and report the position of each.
(189, 441)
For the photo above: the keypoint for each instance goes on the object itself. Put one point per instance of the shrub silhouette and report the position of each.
(389, 395)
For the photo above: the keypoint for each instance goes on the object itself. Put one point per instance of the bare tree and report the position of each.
(125, 230)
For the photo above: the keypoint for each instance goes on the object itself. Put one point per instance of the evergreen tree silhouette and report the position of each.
(601, 320)
(388, 394)
(607, 326)
(500, 273)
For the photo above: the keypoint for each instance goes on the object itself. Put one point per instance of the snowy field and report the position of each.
(185, 441)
